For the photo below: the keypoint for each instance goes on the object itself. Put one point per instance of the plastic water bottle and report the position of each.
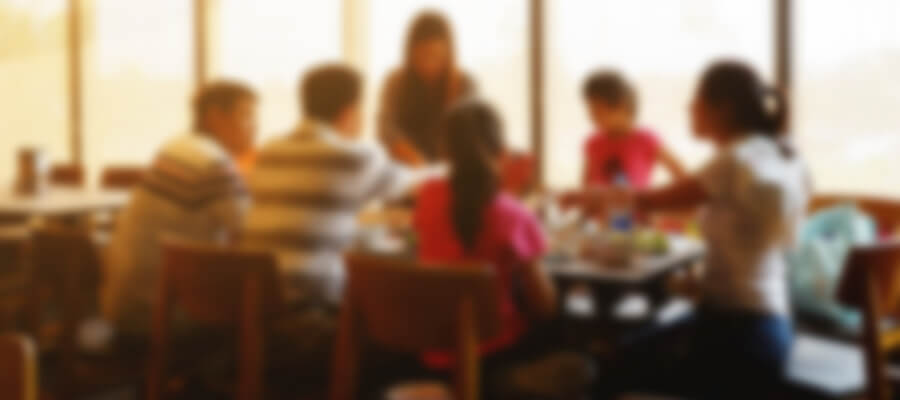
(620, 219)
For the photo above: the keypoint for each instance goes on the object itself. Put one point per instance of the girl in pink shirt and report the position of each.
(468, 217)
(619, 152)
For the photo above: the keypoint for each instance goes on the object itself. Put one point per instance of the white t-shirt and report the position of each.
(757, 202)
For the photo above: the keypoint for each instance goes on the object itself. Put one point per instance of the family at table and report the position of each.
(299, 197)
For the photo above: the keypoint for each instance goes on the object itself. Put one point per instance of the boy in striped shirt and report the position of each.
(192, 190)
(309, 186)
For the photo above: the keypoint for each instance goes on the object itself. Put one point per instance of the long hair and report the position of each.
(752, 105)
(421, 104)
(472, 140)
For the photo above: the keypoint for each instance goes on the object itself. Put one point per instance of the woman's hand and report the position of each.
(404, 152)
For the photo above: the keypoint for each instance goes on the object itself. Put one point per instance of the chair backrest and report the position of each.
(65, 257)
(121, 177)
(208, 281)
(67, 175)
(18, 368)
(13, 248)
(407, 306)
(873, 270)
(885, 211)
(216, 285)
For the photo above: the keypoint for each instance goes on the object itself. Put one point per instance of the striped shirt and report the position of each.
(193, 191)
(308, 188)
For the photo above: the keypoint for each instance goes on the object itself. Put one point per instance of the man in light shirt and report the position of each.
(192, 189)
(309, 186)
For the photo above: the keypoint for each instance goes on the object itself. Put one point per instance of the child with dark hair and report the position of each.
(468, 217)
(619, 151)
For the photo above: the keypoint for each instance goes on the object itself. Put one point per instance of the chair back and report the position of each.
(410, 307)
(216, 285)
(872, 274)
(871, 283)
(67, 175)
(65, 272)
(407, 306)
(885, 211)
(209, 282)
(18, 368)
(121, 177)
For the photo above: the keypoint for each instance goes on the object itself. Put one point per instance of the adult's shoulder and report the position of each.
(195, 151)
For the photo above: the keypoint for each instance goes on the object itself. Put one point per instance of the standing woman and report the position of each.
(417, 94)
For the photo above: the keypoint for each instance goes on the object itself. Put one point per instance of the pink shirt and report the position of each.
(634, 154)
(511, 237)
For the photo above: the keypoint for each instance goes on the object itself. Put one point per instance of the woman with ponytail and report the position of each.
(754, 193)
(468, 217)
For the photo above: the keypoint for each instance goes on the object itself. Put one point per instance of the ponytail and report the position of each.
(750, 104)
(472, 141)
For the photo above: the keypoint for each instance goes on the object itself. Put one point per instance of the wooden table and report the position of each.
(646, 273)
(61, 202)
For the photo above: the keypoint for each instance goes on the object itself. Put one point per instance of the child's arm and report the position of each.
(682, 194)
(671, 163)
(685, 193)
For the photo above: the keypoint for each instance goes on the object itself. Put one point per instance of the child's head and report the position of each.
(611, 101)
(331, 94)
(472, 143)
(731, 101)
(226, 111)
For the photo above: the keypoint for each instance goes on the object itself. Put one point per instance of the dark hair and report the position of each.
(472, 137)
(751, 106)
(219, 94)
(328, 89)
(611, 88)
(428, 25)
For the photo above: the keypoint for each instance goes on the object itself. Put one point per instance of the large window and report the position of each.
(847, 93)
(269, 44)
(661, 46)
(138, 78)
(491, 43)
(33, 84)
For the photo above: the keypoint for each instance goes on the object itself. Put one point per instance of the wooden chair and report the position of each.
(18, 368)
(70, 175)
(14, 250)
(216, 285)
(404, 306)
(65, 275)
(121, 177)
(871, 282)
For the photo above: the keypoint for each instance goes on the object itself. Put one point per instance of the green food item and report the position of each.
(653, 242)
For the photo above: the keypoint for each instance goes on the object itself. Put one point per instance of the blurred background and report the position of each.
(107, 81)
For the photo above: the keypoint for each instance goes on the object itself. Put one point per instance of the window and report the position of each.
(33, 81)
(269, 44)
(847, 93)
(138, 78)
(492, 48)
(661, 46)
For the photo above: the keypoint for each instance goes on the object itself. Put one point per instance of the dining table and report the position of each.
(645, 273)
(60, 202)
